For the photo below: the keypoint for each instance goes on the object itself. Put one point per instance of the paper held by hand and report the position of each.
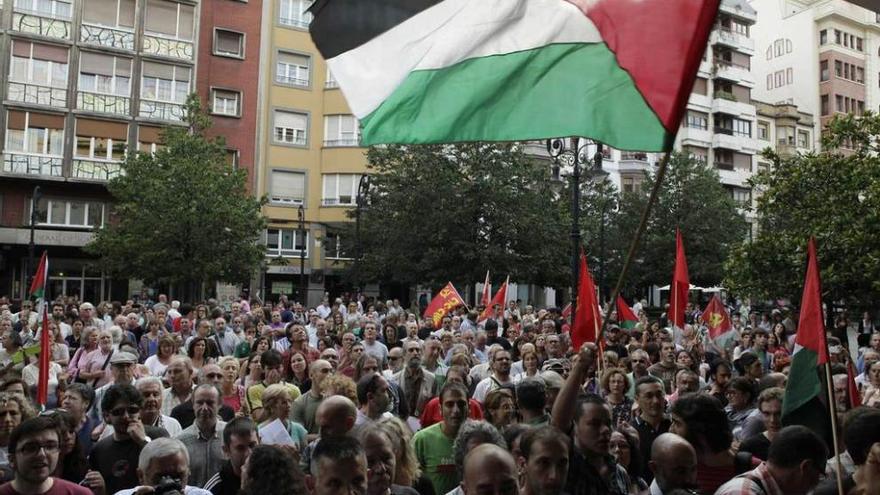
(275, 433)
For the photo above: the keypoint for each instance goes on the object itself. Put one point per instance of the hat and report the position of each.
(123, 357)
(556, 365)
(552, 379)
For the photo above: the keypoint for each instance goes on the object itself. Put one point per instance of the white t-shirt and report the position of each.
(155, 366)
(187, 490)
(377, 350)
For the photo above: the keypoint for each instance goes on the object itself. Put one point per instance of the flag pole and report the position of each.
(832, 406)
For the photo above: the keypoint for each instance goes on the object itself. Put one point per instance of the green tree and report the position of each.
(693, 199)
(830, 195)
(450, 212)
(182, 216)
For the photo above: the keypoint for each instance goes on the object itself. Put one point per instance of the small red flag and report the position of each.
(445, 301)
(680, 288)
(566, 311)
(855, 399)
(716, 318)
(625, 316)
(811, 328)
(587, 318)
(38, 290)
(500, 299)
(487, 291)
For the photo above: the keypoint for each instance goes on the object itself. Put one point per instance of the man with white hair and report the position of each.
(174, 312)
(87, 315)
(163, 461)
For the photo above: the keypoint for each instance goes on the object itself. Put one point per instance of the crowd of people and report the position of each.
(354, 396)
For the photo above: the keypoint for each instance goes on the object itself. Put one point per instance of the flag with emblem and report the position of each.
(625, 316)
(442, 71)
(717, 320)
(445, 301)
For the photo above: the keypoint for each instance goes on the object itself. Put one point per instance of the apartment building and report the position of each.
(86, 82)
(784, 128)
(311, 164)
(821, 55)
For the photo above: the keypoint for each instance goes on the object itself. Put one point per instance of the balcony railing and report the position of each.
(634, 156)
(95, 169)
(294, 81)
(162, 110)
(293, 22)
(103, 103)
(31, 164)
(727, 64)
(336, 143)
(167, 47)
(37, 94)
(723, 165)
(332, 83)
(27, 21)
(340, 201)
(106, 36)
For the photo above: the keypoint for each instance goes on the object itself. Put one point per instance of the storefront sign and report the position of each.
(45, 237)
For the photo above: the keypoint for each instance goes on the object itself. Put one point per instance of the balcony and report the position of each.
(700, 102)
(737, 41)
(40, 23)
(161, 110)
(732, 71)
(168, 47)
(36, 94)
(731, 176)
(103, 103)
(94, 34)
(726, 103)
(738, 9)
(633, 162)
(726, 139)
(20, 163)
(99, 170)
(341, 143)
(695, 136)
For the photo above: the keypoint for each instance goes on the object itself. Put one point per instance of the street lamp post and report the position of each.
(35, 200)
(302, 255)
(360, 201)
(572, 152)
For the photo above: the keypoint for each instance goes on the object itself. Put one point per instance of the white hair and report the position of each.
(148, 380)
(161, 447)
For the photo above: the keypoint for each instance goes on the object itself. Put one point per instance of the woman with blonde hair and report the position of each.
(277, 403)
(338, 384)
(407, 471)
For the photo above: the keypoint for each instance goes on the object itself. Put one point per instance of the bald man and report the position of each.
(674, 464)
(489, 469)
(335, 417)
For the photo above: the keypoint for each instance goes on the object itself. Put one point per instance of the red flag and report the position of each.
(587, 318)
(566, 311)
(447, 299)
(715, 317)
(487, 291)
(38, 290)
(625, 316)
(811, 328)
(855, 398)
(499, 299)
(678, 291)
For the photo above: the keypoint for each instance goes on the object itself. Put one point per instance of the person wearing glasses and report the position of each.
(34, 448)
(116, 457)
(500, 375)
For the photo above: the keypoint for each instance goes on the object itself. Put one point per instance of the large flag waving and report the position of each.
(803, 402)
(717, 319)
(487, 291)
(681, 285)
(445, 301)
(437, 71)
(587, 317)
(625, 316)
(38, 291)
(500, 299)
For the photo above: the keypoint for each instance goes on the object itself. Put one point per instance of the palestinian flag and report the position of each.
(38, 291)
(438, 71)
(625, 316)
(805, 395)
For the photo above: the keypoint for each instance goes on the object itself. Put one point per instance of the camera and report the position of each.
(168, 486)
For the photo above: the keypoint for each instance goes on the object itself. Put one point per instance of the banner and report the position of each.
(445, 301)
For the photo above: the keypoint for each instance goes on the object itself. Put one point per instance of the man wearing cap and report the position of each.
(122, 370)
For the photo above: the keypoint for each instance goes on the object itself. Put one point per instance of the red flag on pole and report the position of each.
(445, 301)
(625, 316)
(487, 291)
(499, 299)
(566, 311)
(717, 319)
(678, 291)
(587, 318)
(855, 397)
(38, 290)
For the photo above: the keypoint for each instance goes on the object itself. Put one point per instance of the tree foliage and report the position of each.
(182, 215)
(830, 195)
(450, 212)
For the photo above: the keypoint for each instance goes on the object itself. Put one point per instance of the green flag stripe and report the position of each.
(803, 381)
(566, 89)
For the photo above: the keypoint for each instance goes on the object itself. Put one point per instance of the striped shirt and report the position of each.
(758, 481)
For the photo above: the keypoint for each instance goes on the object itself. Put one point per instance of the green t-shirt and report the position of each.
(304, 409)
(434, 451)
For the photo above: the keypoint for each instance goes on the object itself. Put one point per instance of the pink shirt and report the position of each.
(93, 362)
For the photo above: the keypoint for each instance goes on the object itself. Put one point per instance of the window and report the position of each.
(823, 70)
(859, 44)
(824, 105)
(149, 138)
(57, 9)
(860, 109)
(779, 78)
(763, 131)
(225, 102)
(171, 19)
(100, 73)
(36, 133)
(769, 81)
(629, 184)
(340, 189)
(232, 157)
(789, 76)
(293, 13)
(228, 43)
(340, 130)
(778, 47)
(742, 128)
(69, 213)
(162, 82)
(838, 68)
(331, 81)
(837, 36)
(293, 69)
(741, 195)
(823, 36)
(286, 242)
(803, 139)
(697, 120)
(101, 140)
(839, 100)
(112, 13)
(334, 249)
(38, 64)
(291, 127)
(287, 188)
(860, 75)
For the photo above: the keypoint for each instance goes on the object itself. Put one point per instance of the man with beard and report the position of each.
(433, 445)
(544, 460)
(203, 439)
(416, 383)
(500, 376)
(667, 367)
(306, 405)
(116, 457)
(34, 447)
